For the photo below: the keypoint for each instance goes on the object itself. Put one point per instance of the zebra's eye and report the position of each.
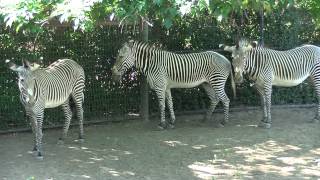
(21, 80)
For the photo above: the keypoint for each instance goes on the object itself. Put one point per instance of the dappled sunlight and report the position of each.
(276, 169)
(83, 176)
(76, 160)
(202, 170)
(311, 172)
(199, 146)
(315, 151)
(113, 172)
(174, 143)
(111, 157)
(293, 160)
(269, 157)
(96, 159)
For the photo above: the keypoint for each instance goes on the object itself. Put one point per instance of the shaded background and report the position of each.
(96, 52)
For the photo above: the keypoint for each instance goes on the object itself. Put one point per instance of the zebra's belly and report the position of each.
(53, 104)
(173, 84)
(288, 82)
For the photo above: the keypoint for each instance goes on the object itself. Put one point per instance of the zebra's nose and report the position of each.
(115, 77)
(239, 80)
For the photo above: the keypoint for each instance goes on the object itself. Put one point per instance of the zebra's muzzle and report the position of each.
(115, 77)
(238, 80)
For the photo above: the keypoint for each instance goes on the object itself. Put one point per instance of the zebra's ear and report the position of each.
(26, 64)
(254, 44)
(130, 43)
(12, 65)
(34, 66)
(221, 45)
(228, 48)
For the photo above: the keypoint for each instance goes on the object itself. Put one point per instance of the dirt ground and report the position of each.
(194, 150)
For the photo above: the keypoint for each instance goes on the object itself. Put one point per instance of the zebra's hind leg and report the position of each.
(264, 119)
(316, 81)
(226, 101)
(170, 106)
(38, 117)
(213, 100)
(161, 98)
(266, 122)
(68, 116)
(33, 124)
(78, 100)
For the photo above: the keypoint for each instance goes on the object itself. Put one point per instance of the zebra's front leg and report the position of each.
(263, 104)
(170, 106)
(266, 123)
(68, 116)
(161, 98)
(33, 124)
(316, 82)
(39, 119)
(222, 96)
(78, 98)
(213, 101)
(226, 101)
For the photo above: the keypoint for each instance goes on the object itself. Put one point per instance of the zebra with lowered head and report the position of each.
(50, 87)
(165, 70)
(267, 67)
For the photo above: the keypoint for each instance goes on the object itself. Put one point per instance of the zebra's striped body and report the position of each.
(165, 70)
(267, 68)
(50, 87)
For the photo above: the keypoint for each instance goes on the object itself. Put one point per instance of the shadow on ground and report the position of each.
(194, 150)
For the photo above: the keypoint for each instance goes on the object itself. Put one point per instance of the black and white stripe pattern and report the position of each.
(50, 87)
(165, 70)
(267, 68)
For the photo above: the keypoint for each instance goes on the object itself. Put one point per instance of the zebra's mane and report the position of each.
(243, 42)
(153, 46)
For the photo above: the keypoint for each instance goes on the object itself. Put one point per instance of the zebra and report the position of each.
(267, 67)
(50, 87)
(165, 70)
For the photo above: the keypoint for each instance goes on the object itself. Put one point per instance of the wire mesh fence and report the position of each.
(106, 100)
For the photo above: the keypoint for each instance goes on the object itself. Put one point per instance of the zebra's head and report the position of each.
(124, 61)
(26, 76)
(239, 57)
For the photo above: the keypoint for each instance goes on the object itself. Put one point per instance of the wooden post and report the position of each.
(261, 27)
(144, 90)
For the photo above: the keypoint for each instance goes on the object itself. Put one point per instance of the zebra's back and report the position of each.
(192, 69)
(58, 80)
(289, 68)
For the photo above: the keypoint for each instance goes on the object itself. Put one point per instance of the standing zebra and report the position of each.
(267, 67)
(165, 70)
(50, 87)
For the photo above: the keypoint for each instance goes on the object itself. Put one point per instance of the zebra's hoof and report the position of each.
(205, 118)
(81, 140)
(264, 125)
(34, 149)
(314, 120)
(219, 125)
(60, 142)
(39, 156)
(224, 122)
(162, 126)
(171, 126)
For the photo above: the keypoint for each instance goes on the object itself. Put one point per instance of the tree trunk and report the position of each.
(261, 27)
(144, 88)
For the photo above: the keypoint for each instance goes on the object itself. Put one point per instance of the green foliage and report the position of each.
(177, 27)
(85, 14)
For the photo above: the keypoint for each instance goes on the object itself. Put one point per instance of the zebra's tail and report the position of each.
(233, 85)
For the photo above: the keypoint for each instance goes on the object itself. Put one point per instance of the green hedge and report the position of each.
(96, 52)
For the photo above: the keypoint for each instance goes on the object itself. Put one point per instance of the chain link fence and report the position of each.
(96, 52)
